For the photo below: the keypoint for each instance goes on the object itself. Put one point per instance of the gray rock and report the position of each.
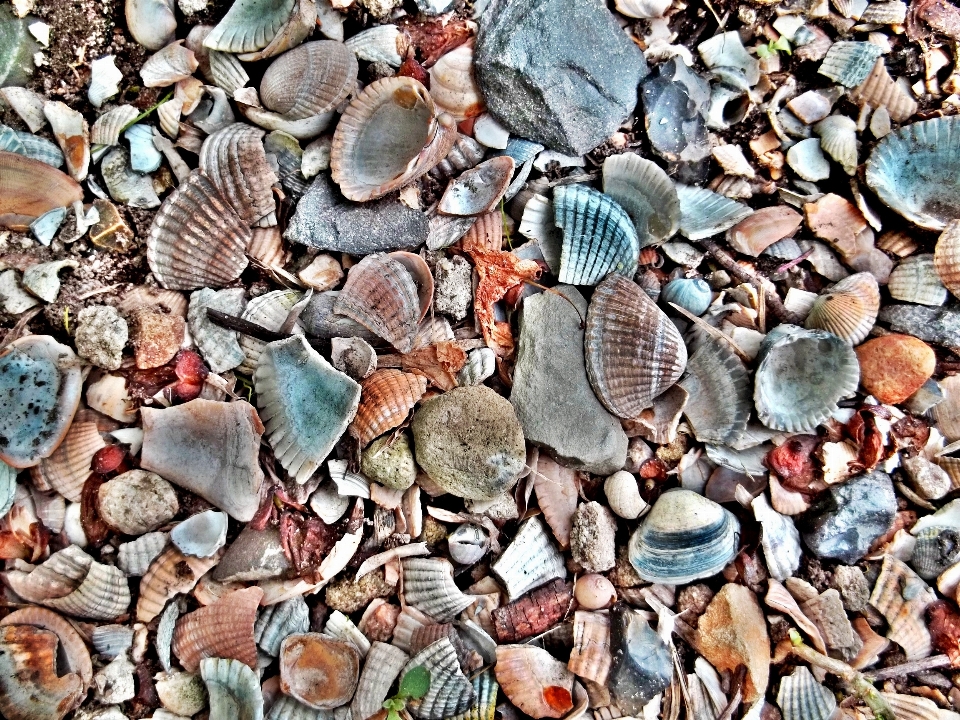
(469, 442)
(220, 347)
(551, 393)
(560, 72)
(137, 502)
(846, 519)
(931, 324)
(254, 555)
(101, 336)
(852, 586)
(827, 613)
(642, 662)
(453, 287)
(326, 220)
(393, 466)
(593, 538)
(929, 480)
(124, 185)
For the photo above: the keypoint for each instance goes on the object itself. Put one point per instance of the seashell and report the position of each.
(801, 697)
(43, 280)
(466, 153)
(104, 80)
(165, 627)
(479, 189)
(590, 657)
(30, 188)
(684, 537)
(533, 680)
(643, 8)
(915, 279)
(647, 194)
(902, 598)
(598, 236)
(68, 468)
(125, 185)
(328, 503)
(169, 65)
(946, 258)
(484, 706)
(807, 160)
(481, 364)
(389, 135)
(40, 382)
(212, 113)
(530, 561)
(594, 592)
(30, 687)
(428, 586)
(170, 574)
(289, 156)
(898, 243)
(197, 239)
(276, 622)
(623, 495)
(112, 640)
(718, 386)
(453, 86)
(936, 550)
(270, 311)
(221, 630)
(838, 139)
(233, 690)
(220, 347)
(912, 707)
(267, 247)
(72, 654)
(633, 351)
(233, 159)
(201, 535)
(879, 90)
(704, 213)
(152, 23)
(556, 488)
(692, 294)
(848, 309)
(45, 227)
(134, 557)
(849, 63)
(32, 146)
(288, 708)
(72, 135)
(780, 539)
(450, 692)
(310, 80)
(340, 627)
(319, 672)
(725, 50)
(144, 156)
(801, 377)
(913, 171)
(468, 543)
(27, 104)
(227, 71)
(382, 43)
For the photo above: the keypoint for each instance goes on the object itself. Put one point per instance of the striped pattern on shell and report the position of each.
(223, 629)
(633, 351)
(235, 161)
(309, 80)
(386, 399)
(848, 310)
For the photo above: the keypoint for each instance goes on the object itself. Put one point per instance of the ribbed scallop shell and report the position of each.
(170, 574)
(31, 188)
(168, 116)
(388, 136)
(341, 627)
(484, 707)
(233, 689)
(453, 86)
(801, 697)
(40, 149)
(106, 130)
(535, 681)
(946, 258)
(250, 25)
(897, 242)
(222, 630)
(590, 657)
(73, 653)
(801, 377)
(647, 193)
(704, 213)
(112, 640)
(718, 385)
(849, 63)
(309, 80)
(916, 171)
(428, 586)
(168, 65)
(684, 537)
(912, 707)
(30, 687)
(880, 90)
(915, 279)
(234, 159)
(450, 692)
(633, 351)
(848, 309)
(269, 310)
(276, 622)
(383, 665)
(386, 399)
(134, 557)
(902, 598)
(68, 468)
(530, 561)
(197, 240)
(382, 43)
(838, 139)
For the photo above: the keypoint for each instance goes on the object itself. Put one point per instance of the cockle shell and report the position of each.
(169, 65)
(848, 309)
(453, 86)
(276, 622)
(309, 80)
(319, 672)
(234, 160)
(479, 189)
(915, 279)
(647, 193)
(29, 188)
(633, 351)
(35, 147)
(386, 399)
(250, 26)
(151, 22)
(30, 688)
(233, 689)
(590, 657)
(936, 549)
(450, 692)
(533, 680)
(222, 630)
(106, 130)
(902, 598)
(428, 586)
(718, 386)
(704, 213)
(801, 697)
(913, 707)
(388, 136)
(381, 43)
(383, 665)
(465, 154)
(879, 90)
(27, 104)
(946, 257)
(838, 139)
(226, 71)
(171, 573)
(530, 561)
(269, 310)
(68, 468)
(73, 654)
(135, 557)
(849, 63)
(112, 640)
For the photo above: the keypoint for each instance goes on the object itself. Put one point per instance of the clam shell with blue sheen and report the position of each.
(233, 688)
(692, 294)
(646, 192)
(704, 213)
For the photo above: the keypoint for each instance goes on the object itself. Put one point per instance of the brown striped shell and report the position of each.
(535, 681)
(590, 657)
(197, 240)
(386, 399)
(223, 629)
(309, 80)
(68, 468)
(902, 598)
(881, 90)
(170, 574)
(29, 188)
(946, 257)
(849, 309)
(633, 351)
(235, 161)
(73, 650)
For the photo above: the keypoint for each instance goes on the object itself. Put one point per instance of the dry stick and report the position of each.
(917, 666)
(232, 322)
(739, 680)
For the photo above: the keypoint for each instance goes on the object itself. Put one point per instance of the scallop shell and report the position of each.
(946, 258)
(302, 434)
(704, 213)
(289, 708)
(408, 621)
(382, 43)
(201, 535)
(112, 640)
(915, 171)
(169, 65)
(170, 574)
(388, 136)
(250, 25)
(234, 160)
(68, 468)
(911, 707)
(428, 586)
(780, 539)
(32, 146)
(197, 239)
(269, 310)
(479, 189)
(227, 71)
(30, 188)
(915, 279)
(530, 561)
(72, 654)
(341, 627)
(466, 153)
(27, 104)
(878, 90)
(152, 23)
(902, 598)
(643, 8)
(30, 688)
(309, 80)
(221, 630)
(718, 385)
(453, 86)
(936, 549)
(684, 537)
(590, 657)
(450, 692)
(801, 697)
(276, 622)
(106, 130)
(233, 689)
(134, 557)
(383, 665)
(848, 309)
(838, 139)
(849, 63)
(801, 377)
(647, 193)
(533, 680)
(633, 351)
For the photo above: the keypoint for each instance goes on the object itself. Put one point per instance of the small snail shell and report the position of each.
(623, 494)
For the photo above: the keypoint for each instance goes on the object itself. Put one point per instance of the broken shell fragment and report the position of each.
(453, 86)
(647, 194)
(704, 213)
(386, 399)
(450, 692)
(30, 188)
(319, 672)
(169, 65)
(428, 586)
(479, 189)
(533, 680)
(30, 687)
(915, 279)
(718, 388)
(530, 561)
(233, 689)
(223, 629)
(201, 535)
(72, 135)
(801, 697)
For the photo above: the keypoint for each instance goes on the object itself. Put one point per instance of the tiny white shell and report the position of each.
(623, 494)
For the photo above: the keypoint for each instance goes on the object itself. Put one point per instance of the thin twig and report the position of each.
(739, 680)
(17, 330)
(245, 327)
(710, 330)
(917, 666)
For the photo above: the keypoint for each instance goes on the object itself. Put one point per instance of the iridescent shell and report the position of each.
(946, 257)
(633, 351)
(838, 139)
(530, 561)
(30, 687)
(879, 90)
(428, 586)
(319, 672)
(801, 697)
(801, 377)
(590, 657)
(453, 86)
(388, 136)
(718, 386)
(29, 188)
(848, 309)
(902, 598)
(684, 537)
(647, 193)
(915, 279)
(171, 573)
(535, 681)
(692, 294)
(479, 189)
(233, 159)
(134, 557)
(73, 654)
(780, 539)
(233, 688)
(849, 63)
(68, 468)
(278, 621)
(450, 692)
(310, 80)
(704, 213)
(223, 629)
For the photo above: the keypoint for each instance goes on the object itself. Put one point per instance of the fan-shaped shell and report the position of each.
(902, 598)
(633, 351)
(838, 139)
(849, 63)
(233, 158)
(382, 43)
(250, 25)
(318, 671)
(309, 80)
(453, 86)
(647, 193)
(535, 681)
(68, 468)
(106, 130)
(936, 549)
(912, 707)
(590, 657)
(801, 377)
(704, 213)
(134, 557)
(801, 697)
(170, 574)
(383, 665)
(848, 309)
(450, 692)
(30, 688)
(233, 689)
(73, 652)
(112, 640)
(946, 257)
(388, 136)
(29, 188)
(530, 561)
(780, 539)
(915, 279)
(280, 620)
(197, 239)
(428, 586)
(878, 90)
(684, 537)
(222, 630)
(226, 71)
(718, 385)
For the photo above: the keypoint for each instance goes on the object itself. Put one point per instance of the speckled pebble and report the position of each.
(101, 336)
(392, 466)
(593, 537)
(137, 502)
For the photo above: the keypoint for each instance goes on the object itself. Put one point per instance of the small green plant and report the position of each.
(773, 47)
(506, 225)
(413, 686)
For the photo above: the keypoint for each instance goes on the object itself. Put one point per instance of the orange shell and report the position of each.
(29, 188)
(68, 468)
(319, 671)
(170, 574)
(72, 647)
(221, 630)
(386, 399)
(29, 686)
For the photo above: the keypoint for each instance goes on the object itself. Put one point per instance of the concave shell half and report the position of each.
(73, 653)
(647, 193)
(801, 697)
(633, 351)
(309, 80)
(388, 136)
(535, 681)
(235, 161)
(233, 688)
(704, 213)
(848, 309)
(450, 691)
(479, 189)
(718, 385)
(946, 257)
(30, 688)
(453, 86)
(29, 188)
(915, 279)
(222, 630)
(250, 25)
(428, 586)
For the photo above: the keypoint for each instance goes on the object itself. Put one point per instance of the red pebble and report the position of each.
(411, 68)
(108, 459)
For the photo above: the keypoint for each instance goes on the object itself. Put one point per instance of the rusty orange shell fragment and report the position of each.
(223, 629)
(170, 574)
(386, 399)
(318, 671)
(29, 686)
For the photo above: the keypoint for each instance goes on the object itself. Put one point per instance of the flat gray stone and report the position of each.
(551, 393)
(934, 325)
(254, 555)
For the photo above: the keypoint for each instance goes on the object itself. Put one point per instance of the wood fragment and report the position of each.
(534, 613)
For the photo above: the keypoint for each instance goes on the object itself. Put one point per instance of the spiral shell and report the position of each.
(848, 309)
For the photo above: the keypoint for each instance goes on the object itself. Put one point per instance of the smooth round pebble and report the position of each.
(894, 367)
(594, 592)
(137, 502)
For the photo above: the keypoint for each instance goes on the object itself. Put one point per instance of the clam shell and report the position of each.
(269, 310)
(801, 377)
(235, 162)
(171, 573)
(684, 537)
(201, 535)
(319, 672)
(801, 697)
(233, 689)
(704, 213)
(838, 139)
(849, 63)
(106, 130)
(647, 193)
(221, 630)
(479, 189)
(725, 50)
(465, 154)
(250, 26)
(530, 561)
(382, 43)
(598, 236)
(112, 640)
(533, 680)
(27, 104)
(718, 386)
(388, 136)
(302, 21)
(897, 242)
(134, 557)
(879, 90)
(30, 688)
(633, 351)
(226, 71)
(453, 86)
(590, 657)
(468, 543)
(915, 279)
(428, 586)
(197, 239)
(946, 257)
(319, 319)
(309, 80)
(848, 309)
(30, 188)
(73, 654)
(152, 23)
(276, 622)
(902, 598)
(68, 468)
(450, 692)
(914, 170)
(780, 539)
(407, 622)
(169, 65)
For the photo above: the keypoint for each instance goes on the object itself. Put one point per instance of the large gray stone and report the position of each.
(560, 72)
(931, 324)
(551, 393)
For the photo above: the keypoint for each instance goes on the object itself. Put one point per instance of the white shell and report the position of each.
(104, 80)
(135, 557)
(378, 44)
(807, 160)
(780, 539)
(838, 139)
(428, 586)
(623, 495)
(383, 665)
(151, 22)
(468, 543)
(27, 104)
(233, 689)
(915, 280)
(106, 130)
(73, 137)
(643, 8)
(452, 84)
(530, 561)
(801, 697)
(202, 534)
(328, 503)
(341, 627)
(169, 65)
